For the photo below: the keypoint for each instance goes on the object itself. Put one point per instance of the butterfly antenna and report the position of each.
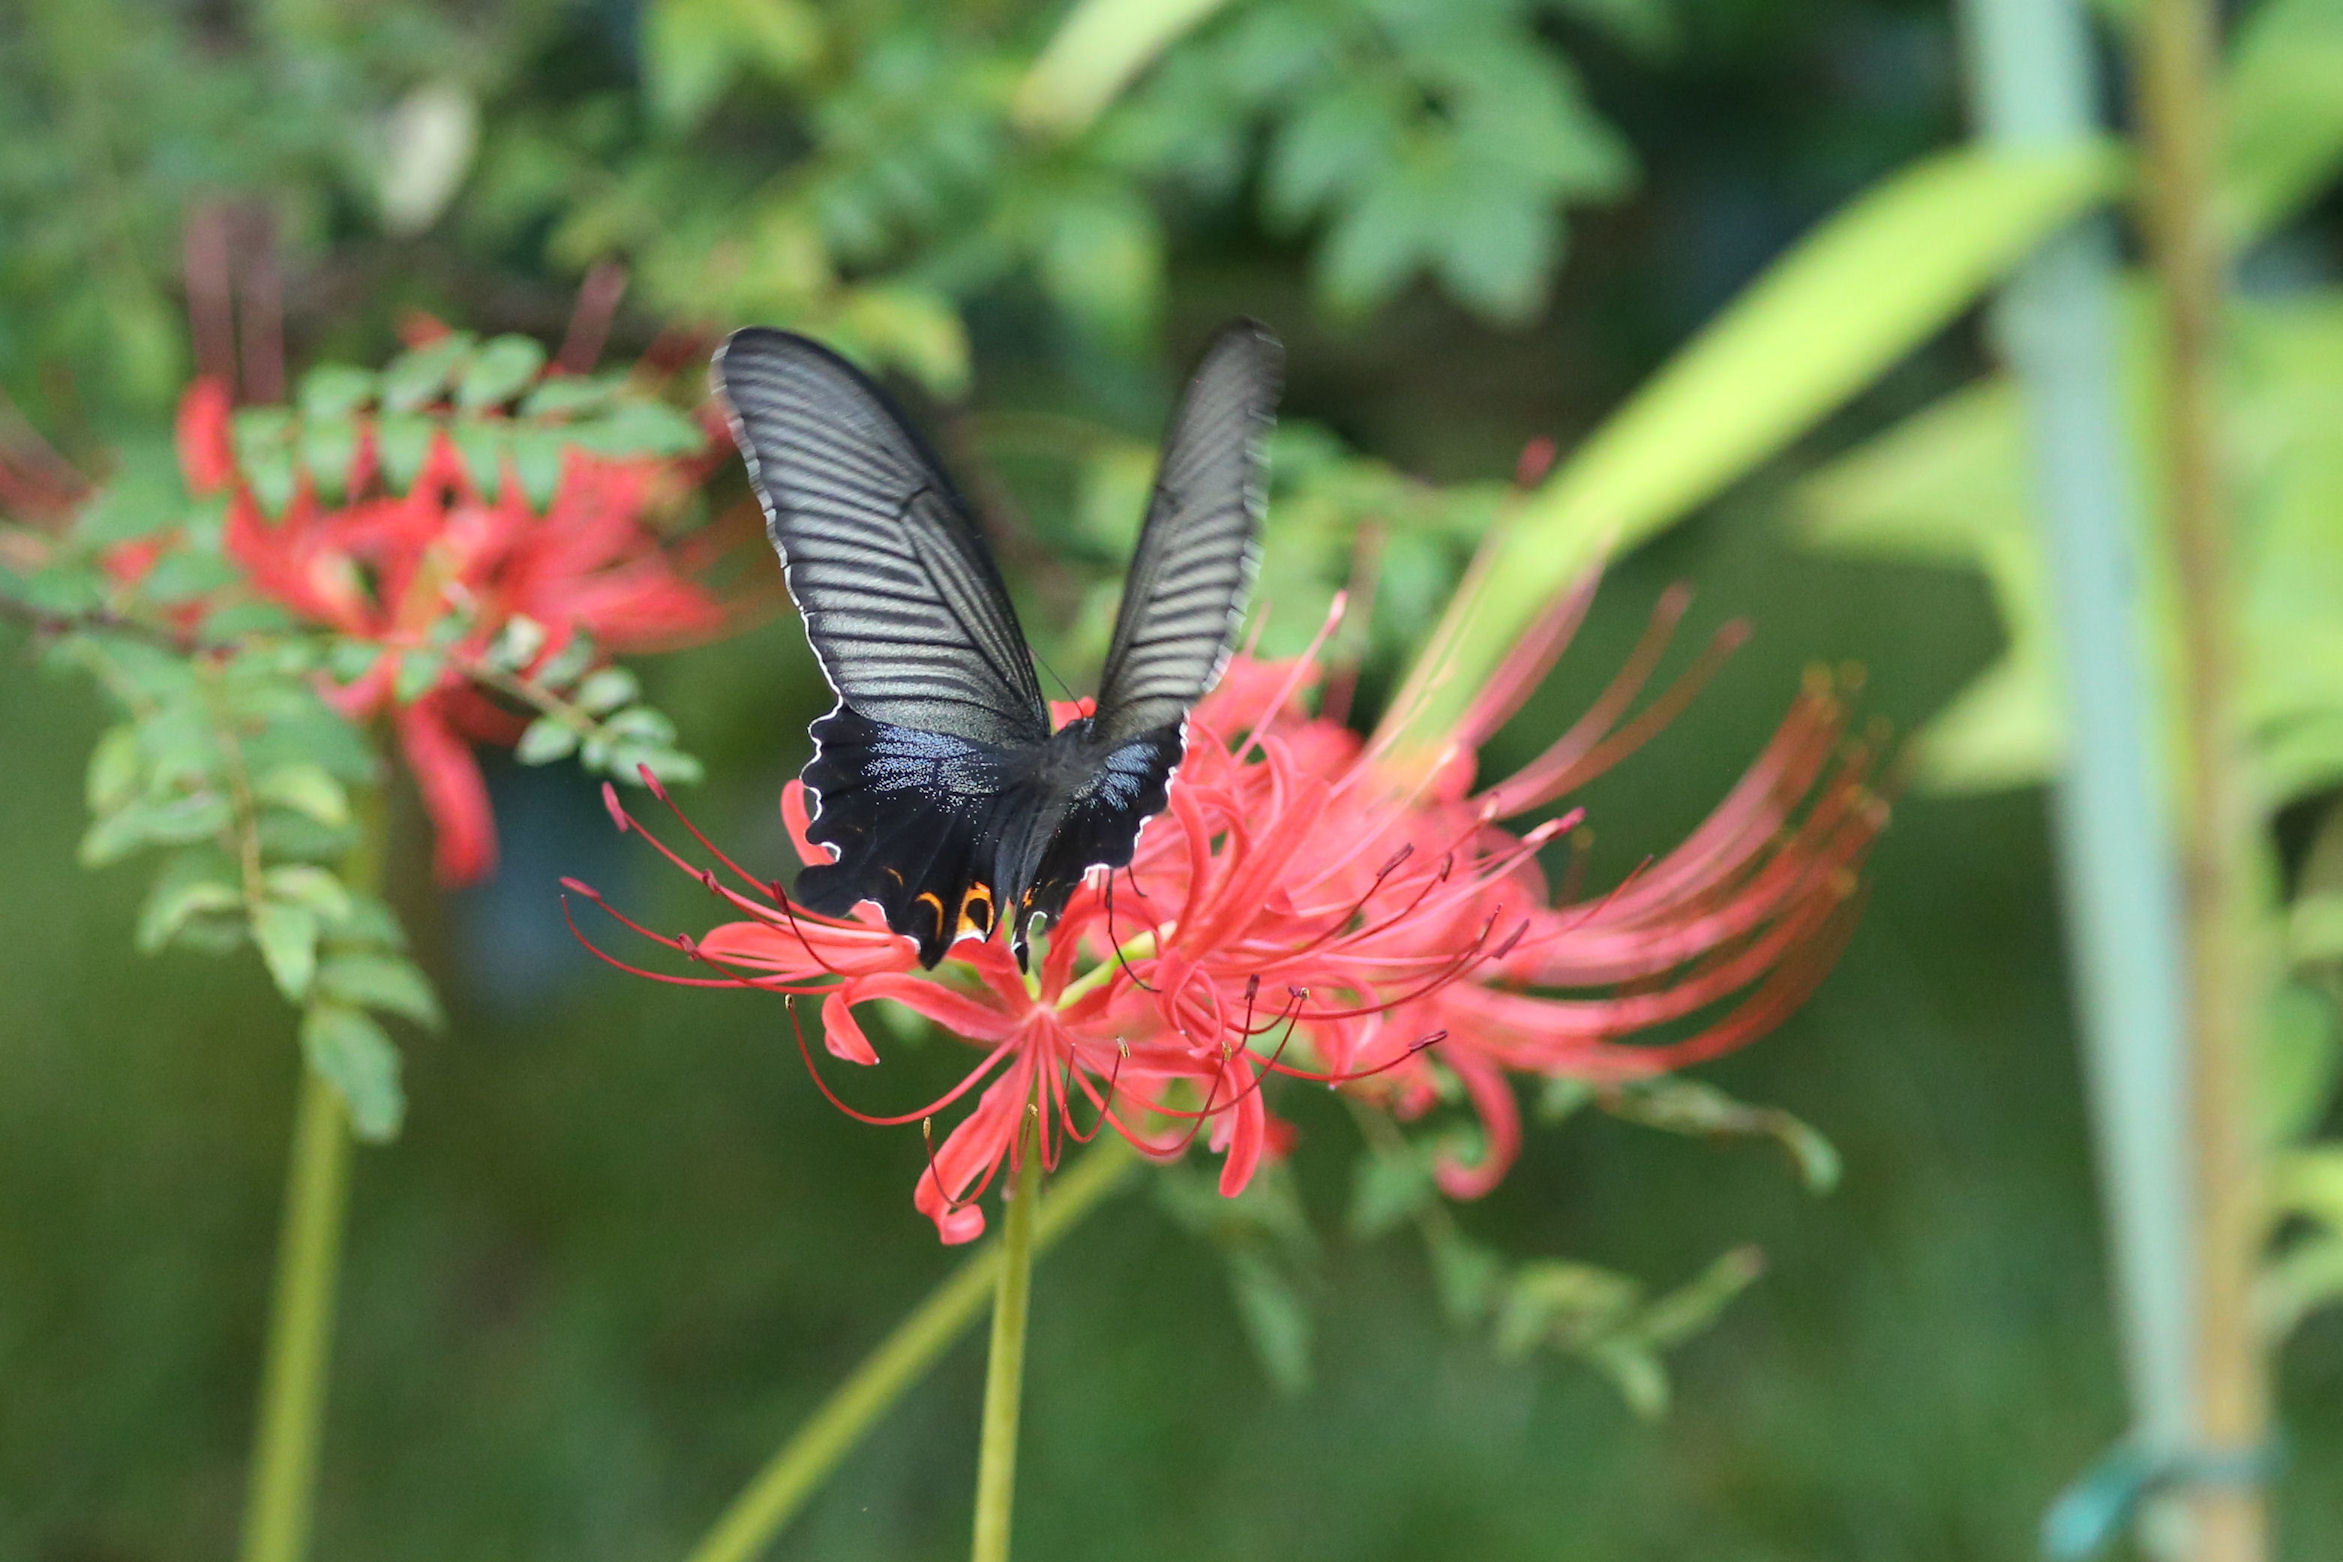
(1064, 687)
(1115, 939)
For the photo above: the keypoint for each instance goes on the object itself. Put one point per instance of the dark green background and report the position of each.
(623, 1245)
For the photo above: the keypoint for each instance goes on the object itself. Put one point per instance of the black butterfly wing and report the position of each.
(1186, 594)
(938, 705)
(1199, 544)
(901, 597)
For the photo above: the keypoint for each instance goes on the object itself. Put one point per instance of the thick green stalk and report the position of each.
(281, 1496)
(1004, 1369)
(300, 1330)
(830, 1434)
(2221, 823)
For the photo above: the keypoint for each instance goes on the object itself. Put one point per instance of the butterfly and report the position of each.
(937, 784)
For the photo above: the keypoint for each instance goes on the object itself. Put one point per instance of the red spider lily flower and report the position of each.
(433, 575)
(1297, 911)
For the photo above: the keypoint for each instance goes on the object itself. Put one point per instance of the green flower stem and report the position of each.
(300, 1330)
(281, 1497)
(1004, 1368)
(830, 1434)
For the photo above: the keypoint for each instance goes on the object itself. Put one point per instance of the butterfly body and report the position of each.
(938, 785)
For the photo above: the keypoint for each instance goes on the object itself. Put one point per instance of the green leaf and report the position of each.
(688, 59)
(1332, 143)
(184, 575)
(1099, 49)
(499, 371)
(418, 675)
(1102, 262)
(305, 788)
(667, 764)
(914, 328)
(329, 447)
(264, 455)
(1562, 1096)
(1467, 1275)
(482, 445)
(1636, 1372)
(182, 751)
(2302, 1054)
(143, 496)
(113, 778)
(2283, 116)
(1276, 1319)
(560, 395)
(177, 822)
(1694, 1306)
(641, 428)
(233, 621)
(640, 724)
(547, 739)
(1688, 1106)
(310, 887)
(190, 885)
(1848, 301)
(67, 589)
(2307, 1276)
(419, 377)
(1386, 1191)
(386, 982)
(1499, 254)
(333, 390)
(536, 454)
(403, 442)
(2314, 929)
(2309, 1183)
(516, 644)
(351, 660)
(287, 936)
(354, 1054)
(576, 655)
(1566, 1305)
(606, 689)
(367, 925)
(1380, 240)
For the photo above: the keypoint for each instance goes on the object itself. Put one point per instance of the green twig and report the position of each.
(831, 1433)
(533, 694)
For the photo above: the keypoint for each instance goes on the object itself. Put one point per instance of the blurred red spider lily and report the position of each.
(1296, 911)
(432, 576)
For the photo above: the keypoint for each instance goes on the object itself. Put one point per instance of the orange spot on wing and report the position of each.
(976, 911)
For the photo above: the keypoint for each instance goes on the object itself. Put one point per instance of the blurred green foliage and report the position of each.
(1950, 485)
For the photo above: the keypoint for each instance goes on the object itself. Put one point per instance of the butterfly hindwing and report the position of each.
(916, 819)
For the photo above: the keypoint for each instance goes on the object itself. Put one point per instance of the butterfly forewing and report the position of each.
(1197, 547)
(900, 595)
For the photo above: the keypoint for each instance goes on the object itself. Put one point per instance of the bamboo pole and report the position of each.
(2221, 823)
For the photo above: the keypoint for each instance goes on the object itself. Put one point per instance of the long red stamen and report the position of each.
(974, 1078)
(652, 784)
